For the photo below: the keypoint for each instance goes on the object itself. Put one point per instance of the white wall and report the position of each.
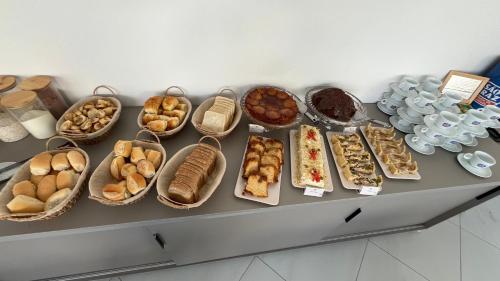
(142, 46)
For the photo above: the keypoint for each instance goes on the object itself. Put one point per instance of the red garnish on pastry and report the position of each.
(315, 176)
(311, 135)
(313, 154)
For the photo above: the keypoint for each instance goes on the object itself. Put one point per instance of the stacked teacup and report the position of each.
(399, 91)
(448, 102)
(412, 113)
(430, 84)
(492, 112)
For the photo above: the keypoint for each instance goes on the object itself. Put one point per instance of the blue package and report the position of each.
(491, 92)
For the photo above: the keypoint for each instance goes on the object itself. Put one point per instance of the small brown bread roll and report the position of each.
(77, 160)
(154, 157)
(36, 179)
(40, 164)
(146, 152)
(137, 154)
(116, 167)
(123, 148)
(115, 192)
(59, 162)
(56, 198)
(66, 179)
(146, 168)
(173, 122)
(135, 183)
(25, 204)
(128, 169)
(153, 104)
(46, 187)
(157, 125)
(169, 103)
(24, 188)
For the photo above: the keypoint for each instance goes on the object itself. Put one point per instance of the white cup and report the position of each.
(424, 98)
(492, 112)
(473, 117)
(451, 141)
(445, 119)
(431, 84)
(397, 96)
(480, 159)
(413, 113)
(403, 123)
(389, 104)
(407, 83)
(449, 99)
(430, 133)
(418, 141)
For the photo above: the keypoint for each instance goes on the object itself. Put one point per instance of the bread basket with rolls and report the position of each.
(218, 116)
(127, 174)
(165, 115)
(47, 185)
(90, 119)
(192, 175)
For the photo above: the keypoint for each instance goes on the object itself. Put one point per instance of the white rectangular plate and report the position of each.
(273, 190)
(384, 166)
(347, 184)
(294, 161)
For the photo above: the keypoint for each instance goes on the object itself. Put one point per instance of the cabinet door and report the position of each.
(76, 253)
(202, 239)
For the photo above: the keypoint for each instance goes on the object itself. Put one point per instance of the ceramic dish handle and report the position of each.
(111, 90)
(149, 132)
(212, 138)
(382, 123)
(231, 92)
(47, 144)
(175, 87)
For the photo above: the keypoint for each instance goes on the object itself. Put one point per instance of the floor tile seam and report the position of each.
(480, 238)
(246, 269)
(270, 267)
(362, 259)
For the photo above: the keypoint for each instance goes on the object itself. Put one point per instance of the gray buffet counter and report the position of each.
(113, 240)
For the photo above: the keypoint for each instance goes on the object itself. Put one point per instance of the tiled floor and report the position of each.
(466, 247)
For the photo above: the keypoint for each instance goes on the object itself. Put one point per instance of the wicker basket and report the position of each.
(24, 174)
(199, 113)
(168, 172)
(102, 176)
(94, 137)
(166, 134)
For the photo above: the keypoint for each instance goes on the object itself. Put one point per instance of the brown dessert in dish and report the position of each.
(334, 103)
(271, 105)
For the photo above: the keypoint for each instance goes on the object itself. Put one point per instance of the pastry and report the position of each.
(114, 192)
(128, 169)
(24, 188)
(146, 168)
(123, 148)
(137, 154)
(57, 198)
(153, 104)
(25, 204)
(270, 160)
(310, 157)
(116, 167)
(76, 160)
(173, 122)
(157, 125)
(46, 187)
(60, 162)
(150, 117)
(256, 186)
(271, 105)
(269, 172)
(135, 183)
(175, 113)
(169, 103)
(66, 179)
(40, 164)
(154, 157)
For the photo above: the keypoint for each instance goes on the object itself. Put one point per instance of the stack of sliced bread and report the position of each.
(219, 117)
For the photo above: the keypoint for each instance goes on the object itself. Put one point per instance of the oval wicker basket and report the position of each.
(101, 176)
(94, 137)
(166, 134)
(24, 174)
(199, 113)
(168, 173)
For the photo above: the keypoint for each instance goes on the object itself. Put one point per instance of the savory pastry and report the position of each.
(76, 160)
(158, 125)
(56, 198)
(169, 103)
(271, 105)
(152, 105)
(24, 188)
(123, 148)
(40, 164)
(163, 114)
(66, 179)
(25, 204)
(310, 157)
(60, 162)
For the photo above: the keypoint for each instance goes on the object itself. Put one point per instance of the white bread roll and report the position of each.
(123, 148)
(146, 168)
(60, 162)
(135, 183)
(25, 204)
(77, 160)
(116, 167)
(127, 169)
(24, 188)
(155, 158)
(40, 164)
(66, 179)
(46, 187)
(137, 154)
(115, 192)
(56, 198)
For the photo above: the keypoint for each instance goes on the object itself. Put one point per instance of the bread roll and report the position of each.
(128, 169)
(59, 162)
(24, 188)
(154, 157)
(123, 148)
(173, 122)
(137, 154)
(66, 179)
(146, 168)
(77, 160)
(25, 204)
(169, 103)
(153, 104)
(135, 183)
(146, 152)
(36, 179)
(40, 164)
(116, 167)
(149, 117)
(115, 192)
(46, 187)
(56, 198)
(157, 125)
